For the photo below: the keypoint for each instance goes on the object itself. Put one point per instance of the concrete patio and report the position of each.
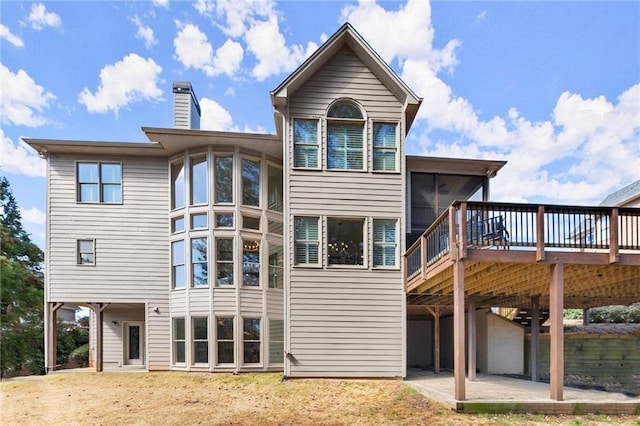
(497, 394)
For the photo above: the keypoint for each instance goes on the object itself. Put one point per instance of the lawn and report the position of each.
(199, 398)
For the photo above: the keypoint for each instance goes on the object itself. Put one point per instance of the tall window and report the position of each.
(177, 264)
(199, 270)
(250, 183)
(177, 185)
(276, 265)
(305, 143)
(251, 263)
(224, 261)
(223, 172)
(199, 180)
(200, 341)
(385, 242)
(306, 241)
(251, 340)
(345, 137)
(86, 252)
(384, 146)
(99, 182)
(225, 341)
(275, 192)
(276, 341)
(178, 341)
(345, 241)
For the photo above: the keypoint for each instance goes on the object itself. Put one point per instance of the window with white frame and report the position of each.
(200, 338)
(177, 185)
(385, 146)
(199, 180)
(305, 143)
(251, 340)
(179, 355)
(177, 224)
(224, 220)
(224, 340)
(276, 341)
(86, 252)
(276, 265)
(224, 262)
(307, 241)
(199, 267)
(251, 263)
(199, 221)
(250, 182)
(345, 137)
(99, 183)
(177, 264)
(385, 242)
(345, 241)
(223, 172)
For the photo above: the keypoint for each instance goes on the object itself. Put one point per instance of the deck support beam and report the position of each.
(98, 310)
(556, 337)
(436, 338)
(458, 329)
(52, 335)
(535, 338)
(472, 336)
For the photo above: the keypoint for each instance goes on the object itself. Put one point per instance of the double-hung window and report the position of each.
(225, 341)
(250, 183)
(223, 172)
(224, 261)
(384, 146)
(99, 182)
(86, 252)
(251, 263)
(199, 267)
(307, 241)
(179, 355)
(251, 340)
(385, 242)
(200, 338)
(177, 264)
(345, 137)
(305, 143)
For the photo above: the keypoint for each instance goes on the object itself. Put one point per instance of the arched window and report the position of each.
(345, 136)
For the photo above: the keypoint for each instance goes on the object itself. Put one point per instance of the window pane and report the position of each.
(177, 177)
(224, 248)
(224, 333)
(250, 222)
(306, 240)
(275, 189)
(224, 220)
(306, 156)
(345, 146)
(198, 221)
(178, 329)
(112, 193)
(251, 337)
(276, 266)
(199, 250)
(384, 159)
(177, 260)
(180, 352)
(177, 250)
(276, 341)
(384, 242)
(89, 193)
(345, 245)
(199, 272)
(110, 173)
(177, 224)
(224, 264)
(251, 263)
(198, 180)
(251, 183)
(88, 173)
(251, 352)
(200, 328)
(306, 228)
(384, 135)
(86, 246)
(224, 180)
(251, 327)
(224, 328)
(306, 253)
(201, 352)
(344, 109)
(305, 131)
(225, 352)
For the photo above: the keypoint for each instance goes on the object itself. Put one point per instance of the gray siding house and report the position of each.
(217, 251)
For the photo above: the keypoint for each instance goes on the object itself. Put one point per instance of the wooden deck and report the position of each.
(521, 255)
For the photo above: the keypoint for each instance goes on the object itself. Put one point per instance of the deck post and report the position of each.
(51, 353)
(535, 338)
(458, 329)
(436, 338)
(614, 241)
(556, 338)
(472, 336)
(98, 310)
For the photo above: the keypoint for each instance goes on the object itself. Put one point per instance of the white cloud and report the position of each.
(268, 45)
(230, 91)
(193, 50)
(161, 3)
(144, 33)
(481, 16)
(20, 158)
(215, 117)
(590, 147)
(40, 18)
(130, 80)
(33, 215)
(21, 99)
(234, 17)
(6, 34)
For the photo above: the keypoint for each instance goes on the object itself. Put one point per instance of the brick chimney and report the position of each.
(186, 109)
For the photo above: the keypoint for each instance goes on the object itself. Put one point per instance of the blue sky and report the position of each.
(551, 87)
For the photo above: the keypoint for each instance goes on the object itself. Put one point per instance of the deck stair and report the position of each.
(522, 315)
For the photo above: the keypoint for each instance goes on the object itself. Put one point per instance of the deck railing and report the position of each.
(506, 226)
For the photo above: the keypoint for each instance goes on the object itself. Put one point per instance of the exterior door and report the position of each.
(134, 343)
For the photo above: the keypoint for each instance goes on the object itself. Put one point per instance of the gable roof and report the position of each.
(348, 36)
(622, 196)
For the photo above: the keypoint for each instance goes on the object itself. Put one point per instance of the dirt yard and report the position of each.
(246, 399)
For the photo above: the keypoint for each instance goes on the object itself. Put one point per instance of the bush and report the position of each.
(615, 314)
(80, 356)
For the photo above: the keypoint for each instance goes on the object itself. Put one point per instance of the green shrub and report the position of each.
(80, 356)
(615, 314)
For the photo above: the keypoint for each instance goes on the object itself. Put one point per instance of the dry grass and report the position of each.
(247, 399)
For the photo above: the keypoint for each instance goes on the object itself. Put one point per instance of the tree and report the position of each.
(21, 292)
